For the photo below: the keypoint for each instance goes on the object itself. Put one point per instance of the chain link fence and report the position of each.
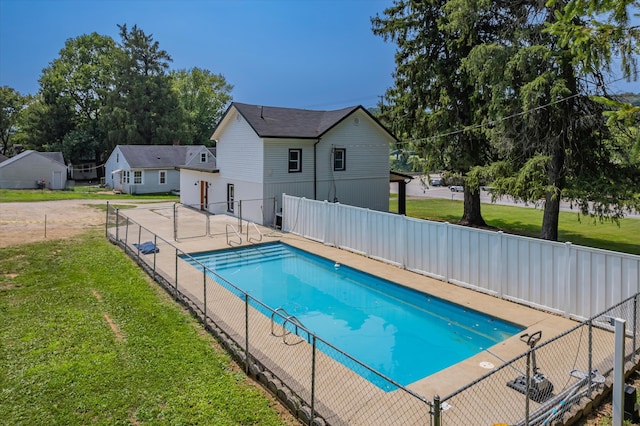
(316, 381)
(194, 221)
(322, 385)
(564, 374)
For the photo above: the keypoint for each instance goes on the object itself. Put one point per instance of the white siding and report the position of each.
(24, 172)
(189, 187)
(116, 161)
(240, 151)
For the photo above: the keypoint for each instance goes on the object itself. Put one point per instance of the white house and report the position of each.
(262, 152)
(33, 169)
(149, 169)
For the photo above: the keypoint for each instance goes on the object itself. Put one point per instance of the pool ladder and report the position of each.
(287, 319)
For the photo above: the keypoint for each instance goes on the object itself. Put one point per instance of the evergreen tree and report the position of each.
(142, 108)
(433, 101)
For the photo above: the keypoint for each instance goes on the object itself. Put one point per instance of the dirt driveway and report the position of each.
(22, 223)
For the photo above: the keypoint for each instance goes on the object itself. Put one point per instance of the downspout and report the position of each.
(315, 172)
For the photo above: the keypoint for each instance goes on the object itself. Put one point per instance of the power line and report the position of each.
(499, 120)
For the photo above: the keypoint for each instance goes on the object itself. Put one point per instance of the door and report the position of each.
(230, 197)
(57, 180)
(204, 195)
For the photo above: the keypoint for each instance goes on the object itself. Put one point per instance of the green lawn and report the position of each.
(62, 362)
(527, 221)
(79, 192)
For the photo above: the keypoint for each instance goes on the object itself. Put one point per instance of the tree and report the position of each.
(11, 106)
(142, 108)
(74, 88)
(434, 100)
(555, 143)
(204, 97)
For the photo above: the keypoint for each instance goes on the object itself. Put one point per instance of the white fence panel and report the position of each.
(560, 277)
(425, 253)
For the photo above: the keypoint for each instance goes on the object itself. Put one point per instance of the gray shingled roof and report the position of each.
(275, 122)
(54, 156)
(158, 156)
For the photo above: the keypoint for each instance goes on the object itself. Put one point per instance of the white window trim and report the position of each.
(203, 157)
(160, 173)
(141, 177)
(297, 169)
(344, 160)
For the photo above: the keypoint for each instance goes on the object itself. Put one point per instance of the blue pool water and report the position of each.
(402, 333)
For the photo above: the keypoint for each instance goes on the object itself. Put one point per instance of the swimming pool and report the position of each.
(402, 333)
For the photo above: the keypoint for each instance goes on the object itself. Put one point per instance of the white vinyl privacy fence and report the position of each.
(564, 278)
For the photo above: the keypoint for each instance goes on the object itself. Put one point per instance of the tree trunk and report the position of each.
(472, 215)
(550, 218)
(551, 215)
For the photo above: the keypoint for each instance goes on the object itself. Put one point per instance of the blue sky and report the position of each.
(316, 54)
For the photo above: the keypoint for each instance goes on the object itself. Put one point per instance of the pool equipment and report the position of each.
(539, 387)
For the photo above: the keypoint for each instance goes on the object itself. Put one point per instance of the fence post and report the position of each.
(313, 380)
(175, 221)
(204, 293)
(117, 225)
(240, 216)
(437, 411)
(567, 282)
(155, 250)
(326, 224)
(246, 332)
(528, 392)
(176, 294)
(503, 262)
(447, 255)
(106, 223)
(635, 326)
(590, 356)
(126, 233)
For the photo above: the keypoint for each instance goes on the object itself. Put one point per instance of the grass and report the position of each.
(78, 192)
(528, 221)
(86, 342)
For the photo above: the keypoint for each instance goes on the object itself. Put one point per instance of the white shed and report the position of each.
(33, 169)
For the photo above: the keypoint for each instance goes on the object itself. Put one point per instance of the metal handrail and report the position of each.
(250, 239)
(287, 318)
(229, 242)
(296, 322)
(273, 314)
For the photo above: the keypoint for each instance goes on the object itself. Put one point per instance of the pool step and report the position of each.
(228, 259)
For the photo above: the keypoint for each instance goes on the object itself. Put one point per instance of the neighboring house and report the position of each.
(83, 170)
(263, 152)
(148, 169)
(33, 169)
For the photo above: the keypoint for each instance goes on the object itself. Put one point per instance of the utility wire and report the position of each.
(499, 120)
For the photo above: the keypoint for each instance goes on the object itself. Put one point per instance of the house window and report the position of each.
(162, 174)
(137, 178)
(126, 176)
(230, 197)
(339, 159)
(117, 157)
(295, 160)
(203, 157)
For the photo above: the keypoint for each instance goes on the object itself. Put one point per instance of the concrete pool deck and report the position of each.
(159, 220)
